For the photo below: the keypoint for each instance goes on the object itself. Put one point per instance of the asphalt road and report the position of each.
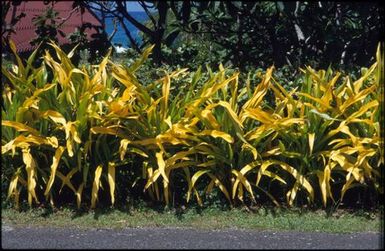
(175, 238)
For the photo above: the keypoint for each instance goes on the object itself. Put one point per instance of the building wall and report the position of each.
(25, 30)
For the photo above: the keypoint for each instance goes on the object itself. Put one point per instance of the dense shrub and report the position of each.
(97, 133)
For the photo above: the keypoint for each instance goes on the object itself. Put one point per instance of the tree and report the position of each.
(7, 28)
(48, 26)
(157, 13)
(259, 33)
(291, 33)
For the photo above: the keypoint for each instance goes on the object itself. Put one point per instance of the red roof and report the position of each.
(25, 29)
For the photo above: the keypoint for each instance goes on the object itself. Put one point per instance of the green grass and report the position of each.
(340, 221)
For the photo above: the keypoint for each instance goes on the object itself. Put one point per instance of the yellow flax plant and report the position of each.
(62, 108)
(200, 121)
(271, 123)
(86, 96)
(24, 144)
(362, 163)
(146, 126)
(227, 157)
(302, 145)
(24, 138)
(340, 130)
(379, 115)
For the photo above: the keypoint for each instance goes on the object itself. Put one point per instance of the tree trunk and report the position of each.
(157, 38)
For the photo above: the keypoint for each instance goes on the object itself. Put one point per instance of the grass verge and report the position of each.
(341, 221)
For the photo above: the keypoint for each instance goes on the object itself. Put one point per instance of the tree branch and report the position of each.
(128, 33)
(70, 14)
(144, 6)
(121, 8)
(114, 31)
(175, 10)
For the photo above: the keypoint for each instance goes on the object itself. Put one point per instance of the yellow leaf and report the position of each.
(358, 84)
(210, 186)
(274, 151)
(232, 113)
(290, 195)
(152, 177)
(31, 100)
(262, 169)
(79, 195)
(258, 114)
(30, 166)
(198, 197)
(19, 127)
(54, 165)
(300, 179)
(274, 176)
(311, 141)
(216, 134)
(123, 147)
(178, 156)
(74, 132)
(194, 179)
(244, 182)
(55, 116)
(161, 165)
(69, 146)
(165, 92)
(249, 167)
(249, 147)
(168, 121)
(53, 141)
(324, 104)
(290, 121)
(260, 91)
(358, 97)
(196, 176)
(111, 180)
(328, 96)
(346, 186)
(358, 176)
(208, 115)
(213, 89)
(235, 186)
(324, 181)
(219, 184)
(12, 186)
(362, 110)
(119, 74)
(66, 180)
(108, 130)
(19, 141)
(95, 186)
(143, 57)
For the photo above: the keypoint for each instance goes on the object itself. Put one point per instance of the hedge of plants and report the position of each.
(94, 133)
